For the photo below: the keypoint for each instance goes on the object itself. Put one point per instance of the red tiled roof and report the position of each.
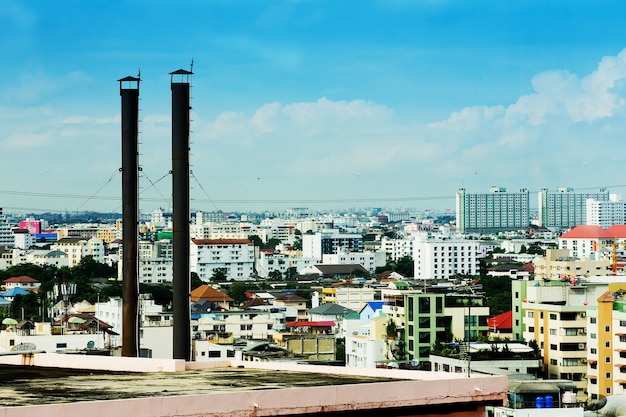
(586, 231)
(617, 230)
(501, 321)
(21, 279)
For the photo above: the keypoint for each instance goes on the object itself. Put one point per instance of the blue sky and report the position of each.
(320, 104)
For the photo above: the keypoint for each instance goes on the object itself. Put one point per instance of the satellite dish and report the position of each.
(415, 362)
(90, 344)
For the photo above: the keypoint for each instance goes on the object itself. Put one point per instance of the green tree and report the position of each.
(26, 306)
(272, 243)
(195, 280)
(238, 290)
(219, 275)
(291, 273)
(275, 275)
(256, 240)
(498, 293)
(161, 294)
(535, 249)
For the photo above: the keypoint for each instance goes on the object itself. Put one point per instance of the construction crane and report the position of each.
(615, 265)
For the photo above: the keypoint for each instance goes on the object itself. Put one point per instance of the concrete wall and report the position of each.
(108, 363)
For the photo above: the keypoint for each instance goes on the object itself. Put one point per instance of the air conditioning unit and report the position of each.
(581, 346)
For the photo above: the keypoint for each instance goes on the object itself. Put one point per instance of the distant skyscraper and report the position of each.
(605, 213)
(7, 239)
(492, 212)
(563, 208)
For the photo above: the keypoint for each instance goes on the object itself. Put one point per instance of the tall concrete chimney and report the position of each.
(181, 213)
(129, 90)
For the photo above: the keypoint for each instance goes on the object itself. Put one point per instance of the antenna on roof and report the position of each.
(191, 66)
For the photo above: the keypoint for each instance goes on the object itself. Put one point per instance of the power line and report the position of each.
(99, 189)
(204, 191)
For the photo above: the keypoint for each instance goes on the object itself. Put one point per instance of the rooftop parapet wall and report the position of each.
(452, 396)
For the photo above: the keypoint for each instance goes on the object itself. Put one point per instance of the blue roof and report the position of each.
(14, 291)
(4, 301)
(376, 305)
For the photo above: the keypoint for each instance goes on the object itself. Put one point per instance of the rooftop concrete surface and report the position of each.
(234, 389)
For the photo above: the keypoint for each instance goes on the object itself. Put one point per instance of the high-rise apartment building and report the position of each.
(6, 234)
(605, 213)
(564, 208)
(492, 212)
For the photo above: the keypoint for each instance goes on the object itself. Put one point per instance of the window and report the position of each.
(607, 344)
(607, 359)
(553, 362)
(552, 316)
(592, 320)
(607, 374)
(593, 351)
(607, 328)
(553, 332)
(215, 354)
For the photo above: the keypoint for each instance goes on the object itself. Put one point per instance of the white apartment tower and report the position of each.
(605, 213)
(444, 258)
(235, 255)
(6, 234)
(564, 208)
(492, 212)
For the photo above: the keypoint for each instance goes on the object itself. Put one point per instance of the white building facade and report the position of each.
(605, 213)
(368, 260)
(77, 248)
(237, 256)
(444, 258)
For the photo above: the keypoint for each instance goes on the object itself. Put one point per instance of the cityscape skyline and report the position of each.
(313, 104)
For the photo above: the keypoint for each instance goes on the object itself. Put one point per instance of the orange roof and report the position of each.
(617, 230)
(208, 293)
(607, 297)
(21, 279)
(587, 231)
(221, 241)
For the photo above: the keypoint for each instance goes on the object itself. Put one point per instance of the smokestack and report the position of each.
(181, 213)
(130, 215)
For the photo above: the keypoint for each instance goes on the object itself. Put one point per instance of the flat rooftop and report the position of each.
(60, 385)
(32, 385)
